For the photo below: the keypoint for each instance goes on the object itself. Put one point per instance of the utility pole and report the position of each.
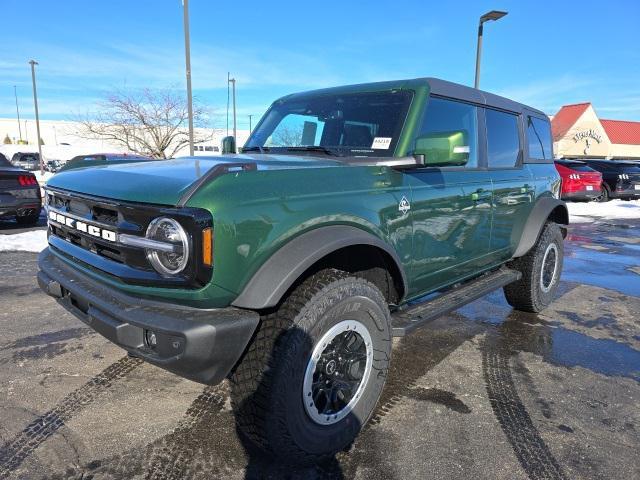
(15, 92)
(187, 57)
(235, 132)
(250, 124)
(493, 15)
(33, 64)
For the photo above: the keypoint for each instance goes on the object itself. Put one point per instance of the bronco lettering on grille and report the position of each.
(83, 227)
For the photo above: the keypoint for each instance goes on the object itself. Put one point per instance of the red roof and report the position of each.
(621, 131)
(565, 119)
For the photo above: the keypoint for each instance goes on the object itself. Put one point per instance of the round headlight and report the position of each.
(172, 258)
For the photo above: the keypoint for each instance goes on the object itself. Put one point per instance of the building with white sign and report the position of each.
(579, 133)
(61, 140)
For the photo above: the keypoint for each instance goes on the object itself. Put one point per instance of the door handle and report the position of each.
(481, 192)
(526, 188)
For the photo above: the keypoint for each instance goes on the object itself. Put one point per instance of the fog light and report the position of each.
(150, 338)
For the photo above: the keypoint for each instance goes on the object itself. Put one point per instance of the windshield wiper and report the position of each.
(255, 148)
(314, 148)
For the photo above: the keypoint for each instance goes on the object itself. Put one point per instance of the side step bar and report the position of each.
(407, 320)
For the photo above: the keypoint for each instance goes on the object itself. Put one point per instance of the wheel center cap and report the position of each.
(330, 368)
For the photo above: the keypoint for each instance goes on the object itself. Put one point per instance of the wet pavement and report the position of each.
(485, 392)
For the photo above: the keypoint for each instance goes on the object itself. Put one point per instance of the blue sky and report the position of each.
(543, 53)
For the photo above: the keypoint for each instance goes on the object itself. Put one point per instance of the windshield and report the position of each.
(353, 124)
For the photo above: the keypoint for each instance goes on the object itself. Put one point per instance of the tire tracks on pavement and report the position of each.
(14, 452)
(529, 447)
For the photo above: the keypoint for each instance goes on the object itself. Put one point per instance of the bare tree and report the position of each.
(287, 136)
(147, 122)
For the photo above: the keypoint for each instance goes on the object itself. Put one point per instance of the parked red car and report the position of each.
(579, 181)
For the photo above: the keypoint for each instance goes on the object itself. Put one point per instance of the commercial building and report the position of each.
(579, 133)
(62, 141)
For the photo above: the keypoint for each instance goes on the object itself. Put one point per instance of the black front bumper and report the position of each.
(200, 344)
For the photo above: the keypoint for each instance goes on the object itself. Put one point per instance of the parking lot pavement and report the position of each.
(484, 393)
(8, 226)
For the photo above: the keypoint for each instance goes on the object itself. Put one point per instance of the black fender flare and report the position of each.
(536, 220)
(275, 276)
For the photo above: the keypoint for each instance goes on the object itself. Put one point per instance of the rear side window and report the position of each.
(445, 121)
(539, 135)
(503, 139)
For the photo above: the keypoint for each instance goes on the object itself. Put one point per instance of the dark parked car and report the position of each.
(26, 160)
(53, 166)
(620, 179)
(19, 193)
(579, 181)
(98, 159)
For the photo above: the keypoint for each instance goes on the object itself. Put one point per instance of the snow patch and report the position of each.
(24, 242)
(42, 178)
(614, 209)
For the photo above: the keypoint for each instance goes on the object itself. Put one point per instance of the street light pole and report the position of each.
(250, 124)
(233, 94)
(492, 15)
(187, 57)
(15, 92)
(33, 64)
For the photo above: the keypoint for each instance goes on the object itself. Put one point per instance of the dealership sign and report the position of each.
(591, 133)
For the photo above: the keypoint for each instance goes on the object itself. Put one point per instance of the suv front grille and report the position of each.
(127, 263)
(104, 215)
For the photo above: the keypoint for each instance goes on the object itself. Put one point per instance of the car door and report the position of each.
(451, 206)
(513, 185)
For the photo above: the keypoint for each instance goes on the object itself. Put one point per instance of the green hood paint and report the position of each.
(165, 181)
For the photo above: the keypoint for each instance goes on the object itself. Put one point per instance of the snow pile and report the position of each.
(24, 242)
(614, 209)
(42, 179)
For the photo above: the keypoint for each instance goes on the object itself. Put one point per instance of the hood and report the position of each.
(165, 181)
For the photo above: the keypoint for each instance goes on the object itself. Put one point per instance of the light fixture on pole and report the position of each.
(187, 57)
(33, 64)
(233, 94)
(15, 92)
(489, 16)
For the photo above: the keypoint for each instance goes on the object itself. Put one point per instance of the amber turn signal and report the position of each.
(207, 246)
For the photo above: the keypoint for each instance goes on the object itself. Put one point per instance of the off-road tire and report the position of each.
(267, 384)
(527, 293)
(28, 219)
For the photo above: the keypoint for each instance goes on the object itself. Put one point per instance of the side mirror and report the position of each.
(444, 148)
(228, 145)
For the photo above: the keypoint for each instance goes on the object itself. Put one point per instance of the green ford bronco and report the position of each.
(353, 215)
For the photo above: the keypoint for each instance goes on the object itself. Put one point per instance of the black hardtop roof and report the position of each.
(437, 86)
